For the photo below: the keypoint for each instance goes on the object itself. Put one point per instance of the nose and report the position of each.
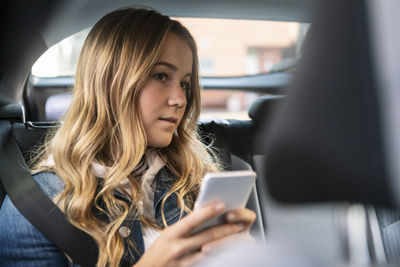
(177, 96)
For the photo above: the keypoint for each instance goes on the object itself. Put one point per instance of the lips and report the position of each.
(169, 119)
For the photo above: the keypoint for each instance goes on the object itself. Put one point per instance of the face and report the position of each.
(162, 101)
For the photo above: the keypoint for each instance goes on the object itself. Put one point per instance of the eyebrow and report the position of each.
(170, 66)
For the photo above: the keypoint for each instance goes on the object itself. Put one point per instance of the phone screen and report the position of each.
(233, 188)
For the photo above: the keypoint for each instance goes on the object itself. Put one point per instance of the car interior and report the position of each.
(320, 132)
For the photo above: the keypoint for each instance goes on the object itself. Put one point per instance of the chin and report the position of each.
(160, 143)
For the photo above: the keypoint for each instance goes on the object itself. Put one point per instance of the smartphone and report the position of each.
(233, 188)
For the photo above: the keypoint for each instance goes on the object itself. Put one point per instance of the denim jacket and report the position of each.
(23, 245)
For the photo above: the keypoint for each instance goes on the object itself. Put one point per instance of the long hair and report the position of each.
(103, 125)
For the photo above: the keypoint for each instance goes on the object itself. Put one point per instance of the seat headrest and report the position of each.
(13, 112)
(262, 106)
(327, 143)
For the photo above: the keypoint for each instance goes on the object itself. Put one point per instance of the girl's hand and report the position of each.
(177, 247)
(240, 216)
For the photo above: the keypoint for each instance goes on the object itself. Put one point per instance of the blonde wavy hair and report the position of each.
(103, 125)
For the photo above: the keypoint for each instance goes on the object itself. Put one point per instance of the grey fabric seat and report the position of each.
(316, 227)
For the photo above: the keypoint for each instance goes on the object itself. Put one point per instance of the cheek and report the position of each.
(181, 115)
(147, 101)
(142, 108)
(145, 110)
(144, 100)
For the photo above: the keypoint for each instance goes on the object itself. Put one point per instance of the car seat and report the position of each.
(331, 140)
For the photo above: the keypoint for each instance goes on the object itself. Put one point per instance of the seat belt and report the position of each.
(36, 207)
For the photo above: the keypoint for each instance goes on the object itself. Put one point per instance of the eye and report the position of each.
(161, 76)
(185, 86)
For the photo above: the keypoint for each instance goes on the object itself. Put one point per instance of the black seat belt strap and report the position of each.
(36, 207)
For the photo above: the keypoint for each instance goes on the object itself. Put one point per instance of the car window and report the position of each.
(226, 48)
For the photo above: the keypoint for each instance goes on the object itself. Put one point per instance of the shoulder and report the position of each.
(49, 182)
(22, 243)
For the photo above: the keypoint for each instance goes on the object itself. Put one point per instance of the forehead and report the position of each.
(176, 51)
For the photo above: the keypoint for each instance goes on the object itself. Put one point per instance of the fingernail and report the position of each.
(230, 216)
(219, 207)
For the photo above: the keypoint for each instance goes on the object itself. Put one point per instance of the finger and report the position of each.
(197, 217)
(190, 260)
(213, 246)
(220, 243)
(244, 216)
(212, 234)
